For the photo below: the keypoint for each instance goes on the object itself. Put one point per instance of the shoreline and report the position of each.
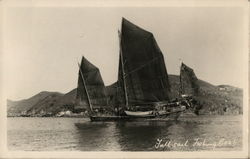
(84, 117)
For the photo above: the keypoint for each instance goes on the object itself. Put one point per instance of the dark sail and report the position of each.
(94, 85)
(188, 81)
(145, 73)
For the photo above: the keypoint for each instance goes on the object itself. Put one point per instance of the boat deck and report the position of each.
(172, 115)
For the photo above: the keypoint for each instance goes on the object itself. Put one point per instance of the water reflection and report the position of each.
(141, 136)
(125, 136)
(99, 136)
(43, 134)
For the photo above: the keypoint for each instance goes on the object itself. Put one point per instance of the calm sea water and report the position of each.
(187, 134)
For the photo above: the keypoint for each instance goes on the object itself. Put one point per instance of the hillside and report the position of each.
(17, 107)
(214, 99)
(51, 103)
(222, 99)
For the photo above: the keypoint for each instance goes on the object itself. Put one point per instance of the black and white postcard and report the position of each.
(124, 79)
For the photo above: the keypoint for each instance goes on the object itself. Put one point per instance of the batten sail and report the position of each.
(90, 90)
(146, 76)
(188, 81)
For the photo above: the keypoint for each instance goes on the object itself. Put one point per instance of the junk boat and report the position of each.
(143, 89)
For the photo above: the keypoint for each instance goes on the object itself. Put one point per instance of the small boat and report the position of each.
(139, 113)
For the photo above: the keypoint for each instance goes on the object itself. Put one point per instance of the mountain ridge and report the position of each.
(221, 99)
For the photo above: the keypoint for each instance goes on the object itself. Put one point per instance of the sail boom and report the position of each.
(141, 67)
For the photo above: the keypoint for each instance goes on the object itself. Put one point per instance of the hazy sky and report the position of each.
(42, 45)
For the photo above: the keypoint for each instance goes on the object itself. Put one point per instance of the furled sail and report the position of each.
(90, 90)
(141, 67)
(188, 81)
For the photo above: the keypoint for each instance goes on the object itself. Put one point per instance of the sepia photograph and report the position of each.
(124, 79)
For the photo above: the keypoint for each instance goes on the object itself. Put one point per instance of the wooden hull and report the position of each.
(166, 116)
(139, 114)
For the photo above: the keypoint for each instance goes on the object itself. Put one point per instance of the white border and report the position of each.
(128, 3)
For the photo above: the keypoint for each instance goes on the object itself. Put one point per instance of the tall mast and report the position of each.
(123, 72)
(83, 80)
(181, 86)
